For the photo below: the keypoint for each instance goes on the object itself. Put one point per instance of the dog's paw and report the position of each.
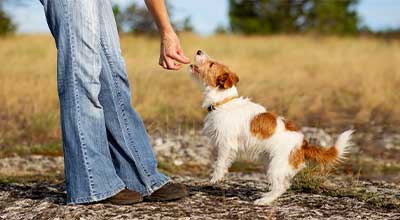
(264, 201)
(215, 180)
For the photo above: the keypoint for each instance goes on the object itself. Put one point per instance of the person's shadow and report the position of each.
(49, 191)
(54, 192)
(243, 192)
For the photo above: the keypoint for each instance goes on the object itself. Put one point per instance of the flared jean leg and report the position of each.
(89, 172)
(130, 145)
(106, 147)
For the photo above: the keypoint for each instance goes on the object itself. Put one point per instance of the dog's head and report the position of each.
(212, 73)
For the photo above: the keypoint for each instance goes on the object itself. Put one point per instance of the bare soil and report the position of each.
(230, 200)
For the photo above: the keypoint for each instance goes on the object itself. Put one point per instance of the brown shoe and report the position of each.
(170, 191)
(125, 197)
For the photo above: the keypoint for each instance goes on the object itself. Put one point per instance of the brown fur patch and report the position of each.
(321, 155)
(296, 157)
(291, 126)
(216, 74)
(226, 80)
(263, 125)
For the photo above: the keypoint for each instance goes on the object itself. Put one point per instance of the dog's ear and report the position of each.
(227, 80)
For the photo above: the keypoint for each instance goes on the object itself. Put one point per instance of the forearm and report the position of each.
(159, 11)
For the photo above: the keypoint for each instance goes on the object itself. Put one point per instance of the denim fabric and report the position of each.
(106, 147)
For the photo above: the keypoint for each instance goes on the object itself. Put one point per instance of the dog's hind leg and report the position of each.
(280, 174)
(226, 156)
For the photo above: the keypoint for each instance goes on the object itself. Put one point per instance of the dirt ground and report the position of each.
(365, 186)
(231, 200)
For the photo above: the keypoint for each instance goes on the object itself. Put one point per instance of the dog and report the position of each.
(236, 125)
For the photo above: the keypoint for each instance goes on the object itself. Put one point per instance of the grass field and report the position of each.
(319, 81)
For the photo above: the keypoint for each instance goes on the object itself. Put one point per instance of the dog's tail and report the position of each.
(328, 155)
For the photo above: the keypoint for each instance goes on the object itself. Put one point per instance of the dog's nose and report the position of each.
(199, 52)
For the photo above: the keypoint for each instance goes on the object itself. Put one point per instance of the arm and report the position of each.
(170, 49)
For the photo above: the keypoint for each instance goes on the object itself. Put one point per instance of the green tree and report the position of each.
(6, 25)
(118, 17)
(221, 29)
(186, 25)
(292, 16)
(137, 19)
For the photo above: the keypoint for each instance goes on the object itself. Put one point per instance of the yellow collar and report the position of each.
(212, 107)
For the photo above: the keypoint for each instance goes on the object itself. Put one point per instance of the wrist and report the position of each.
(167, 32)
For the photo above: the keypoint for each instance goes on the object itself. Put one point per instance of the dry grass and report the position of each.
(310, 79)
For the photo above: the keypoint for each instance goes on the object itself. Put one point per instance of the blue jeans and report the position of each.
(106, 147)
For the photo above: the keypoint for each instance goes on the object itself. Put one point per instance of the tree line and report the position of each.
(293, 16)
(261, 17)
(137, 19)
(247, 17)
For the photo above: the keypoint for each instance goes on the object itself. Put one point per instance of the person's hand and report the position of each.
(171, 53)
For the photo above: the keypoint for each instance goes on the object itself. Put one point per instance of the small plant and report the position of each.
(311, 179)
(314, 179)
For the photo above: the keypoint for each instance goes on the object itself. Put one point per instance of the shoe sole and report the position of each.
(122, 202)
(172, 198)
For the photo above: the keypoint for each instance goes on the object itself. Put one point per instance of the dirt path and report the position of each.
(232, 200)
(31, 187)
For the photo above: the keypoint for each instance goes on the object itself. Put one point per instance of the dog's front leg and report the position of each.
(226, 155)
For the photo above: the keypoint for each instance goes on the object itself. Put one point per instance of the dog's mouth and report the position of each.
(194, 68)
(197, 69)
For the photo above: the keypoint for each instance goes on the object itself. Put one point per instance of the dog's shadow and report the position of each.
(243, 192)
(51, 192)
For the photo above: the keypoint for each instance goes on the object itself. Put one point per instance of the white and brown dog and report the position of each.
(237, 125)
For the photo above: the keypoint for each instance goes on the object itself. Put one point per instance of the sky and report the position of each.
(206, 15)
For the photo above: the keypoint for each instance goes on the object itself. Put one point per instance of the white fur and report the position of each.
(228, 128)
(343, 143)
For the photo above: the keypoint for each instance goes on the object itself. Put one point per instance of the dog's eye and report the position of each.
(211, 64)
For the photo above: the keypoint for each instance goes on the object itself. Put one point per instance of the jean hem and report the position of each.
(98, 196)
(155, 187)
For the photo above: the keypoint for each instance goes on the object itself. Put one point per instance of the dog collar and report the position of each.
(215, 105)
